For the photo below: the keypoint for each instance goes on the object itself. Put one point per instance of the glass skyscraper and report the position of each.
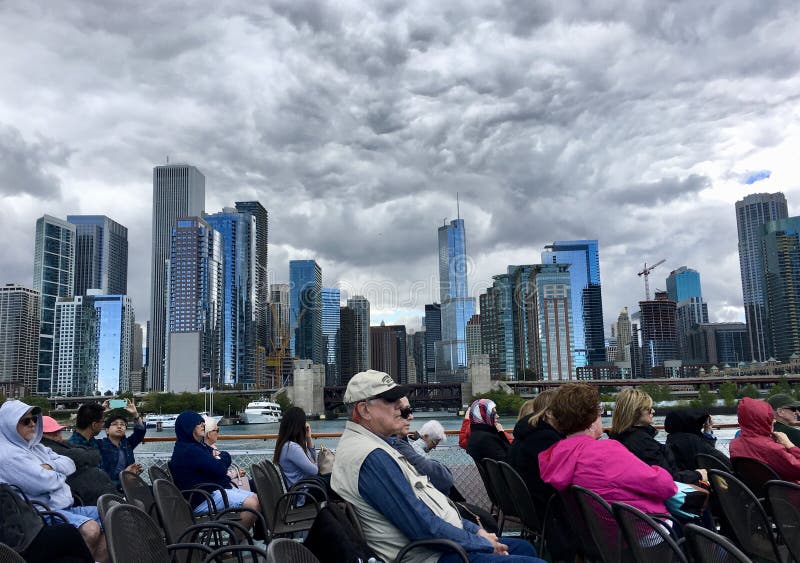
(101, 255)
(781, 244)
(683, 287)
(331, 298)
(305, 310)
(53, 277)
(433, 334)
(587, 301)
(239, 295)
(261, 277)
(553, 328)
(20, 308)
(457, 306)
(361, 310)
(497, 327)
(752, 213)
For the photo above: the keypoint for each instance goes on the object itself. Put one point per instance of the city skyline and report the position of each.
(540, 154)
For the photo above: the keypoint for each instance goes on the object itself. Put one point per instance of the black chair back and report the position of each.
(248, 554)
(754, 474)
(174, 510)
(8, 555)
(704, 546)
(586, 545)
(505, 502)
(106, 501)
(747, 517)
(138, 493)
(602, 525)
(784, 501)
(279, 508)
(708, 461)
(283, 550)
(523, 503)
(487, 484)
(649, 540)
(159, 472)
(131, 535)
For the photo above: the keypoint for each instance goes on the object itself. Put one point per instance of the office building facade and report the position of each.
(261, 270)
(388, 351)
(553, 322)
(780, 242)
(659, 332)
(474, 335)
(683, 287)
(348, 345)
(433, 334)
(101, 255)
(361, 308)
(178, 191)
(305, 310)
(497, 327)
(752, 213)
(719, 344)
(20, 311)
(623, 336)
(331, 298)
(75, 352)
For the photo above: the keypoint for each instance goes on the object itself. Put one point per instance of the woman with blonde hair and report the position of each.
(632, 425)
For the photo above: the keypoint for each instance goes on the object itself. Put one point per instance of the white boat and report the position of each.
(261, 412)
(168, 420)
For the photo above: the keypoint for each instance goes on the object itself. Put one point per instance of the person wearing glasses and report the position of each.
(394, 503)
(116, 449)
(785, 409)
(632, 425)
(42, 474)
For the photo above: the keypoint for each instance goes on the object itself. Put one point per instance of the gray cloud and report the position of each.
(26, 167)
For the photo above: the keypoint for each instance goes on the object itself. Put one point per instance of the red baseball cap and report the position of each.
(49, 424)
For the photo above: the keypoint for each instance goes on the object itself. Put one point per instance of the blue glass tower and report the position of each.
(587, 302)
(239, 295)
(101, 255)
(683, 283)
(114, 341)
(457, 306)
(683, 287)
(305, 310)
(331, 298)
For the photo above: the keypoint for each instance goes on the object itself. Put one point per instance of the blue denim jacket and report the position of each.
(109, 453)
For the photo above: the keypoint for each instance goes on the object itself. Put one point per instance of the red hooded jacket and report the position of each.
(756, 441)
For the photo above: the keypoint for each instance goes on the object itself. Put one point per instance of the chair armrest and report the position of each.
(192, 533)
(283, 506)
(190, 547)
(240, 550)
(309, 487)
(437, 544)
(216, 486)
(221, 516)
(189, 494)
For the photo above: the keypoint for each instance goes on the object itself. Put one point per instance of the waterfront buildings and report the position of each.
(178, 191)
(53, 277)
(683, 287)
(780, 244)
(417, 351)
(20, 310)
(752, 213)
(659, 333)
(101, 255)
(587, 302)
(719, 344)
(361, 310)
(388, 351)
(305, 310)
(331, 298)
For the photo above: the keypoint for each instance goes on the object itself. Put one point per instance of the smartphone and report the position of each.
(117, 404)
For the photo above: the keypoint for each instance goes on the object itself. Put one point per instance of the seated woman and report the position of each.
(758, 440)
(685, 438)
(486, 435)
(533, 434)
(632, 425)
(194, 463)
(295, 453)
(603, 466)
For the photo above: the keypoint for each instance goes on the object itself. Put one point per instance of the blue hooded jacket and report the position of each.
(193, 462)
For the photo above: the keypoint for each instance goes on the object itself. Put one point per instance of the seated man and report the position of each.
(394, 503)
(41, 473)
(785, 409)
(88, 481)
(88, 424)
(116, 449)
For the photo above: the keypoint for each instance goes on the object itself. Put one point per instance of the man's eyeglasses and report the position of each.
(406, 412)
(29, 419)
(120, 424)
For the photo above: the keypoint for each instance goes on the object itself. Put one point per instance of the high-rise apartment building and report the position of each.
(53, 277)
(388, 351)
(457, 306)
(101, 255)
(75, 349)
(752, 213)
(474, 335)
(433, 334)
(497, 327)
(587, 300)
(137, 347)
(417, 350)
(279, 316)
(623, 336)
(20, 310)
(659, 333)
(522, 304)
(261, 278)
(178, 191)
(361, 309)
(683, 287)
(553, 328)
(331, 303)
(780, 242)
(348, 345)
(239, 295)
(305, 310)
(195, 306)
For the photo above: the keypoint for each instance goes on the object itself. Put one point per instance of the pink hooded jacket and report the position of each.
(756, 441)
(609, 469)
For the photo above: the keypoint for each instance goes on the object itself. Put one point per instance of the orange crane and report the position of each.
(646, 273)
(279, 352)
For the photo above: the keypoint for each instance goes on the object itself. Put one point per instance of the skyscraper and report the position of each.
(719, 343)
(239, 295)
(75, 348)
(179, 190)
(261, 278)
(457, 306)
(279, 315)
(623, 336)
(331, 298)
(53, 277)
(781, 264)
(522, 305)
(587, 302)
(553, 327)
(114, 335)
(433, 334)
(194, 332)
(360, 307)
(389, 351)
(497, 327)
(305, 310)
(752, 213)
(348, 345)
(20, 310)
(474, 336)
(101, 255)
(659, 335)
(683, 287)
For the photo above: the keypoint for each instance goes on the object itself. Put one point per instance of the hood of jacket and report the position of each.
(10, 413)
(685, 420)
(557, 464)
(185, 424)
(523, 428)
(755, 417)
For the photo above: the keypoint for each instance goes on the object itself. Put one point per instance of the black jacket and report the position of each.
(641, 442)
(485, 441)
(685, 438)
(89, 481)
(529, 442)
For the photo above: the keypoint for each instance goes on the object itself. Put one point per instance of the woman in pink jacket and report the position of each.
(604, 466)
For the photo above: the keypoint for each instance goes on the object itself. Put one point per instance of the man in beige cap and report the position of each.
(785, 409)
(395, 504)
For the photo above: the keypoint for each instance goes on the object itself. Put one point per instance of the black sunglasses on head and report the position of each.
(406, 412)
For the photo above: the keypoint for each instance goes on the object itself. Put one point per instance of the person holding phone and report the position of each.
(116, 449)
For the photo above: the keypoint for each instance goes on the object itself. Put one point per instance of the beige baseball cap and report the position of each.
(373, 384)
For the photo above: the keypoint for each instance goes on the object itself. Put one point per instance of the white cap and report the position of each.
(372, 384)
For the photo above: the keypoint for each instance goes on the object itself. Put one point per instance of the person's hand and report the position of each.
(47, 466)
(106, 408)
(134, 468)
(703, 474)
(499, 426)
(215, 452)
(413, 435)
(498, 548)
(131, 408)
(782, 439)
(708, 426)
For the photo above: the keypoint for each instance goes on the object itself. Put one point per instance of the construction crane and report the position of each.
(646, 273)
(276, 360)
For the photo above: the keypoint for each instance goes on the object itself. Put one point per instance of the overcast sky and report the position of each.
(355, 124)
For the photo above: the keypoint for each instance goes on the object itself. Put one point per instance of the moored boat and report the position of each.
(261, 412)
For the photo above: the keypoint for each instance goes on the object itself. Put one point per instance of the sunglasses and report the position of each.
(406, 412)
(28, 419)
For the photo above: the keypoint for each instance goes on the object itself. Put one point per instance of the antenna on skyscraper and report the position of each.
(458, 208)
